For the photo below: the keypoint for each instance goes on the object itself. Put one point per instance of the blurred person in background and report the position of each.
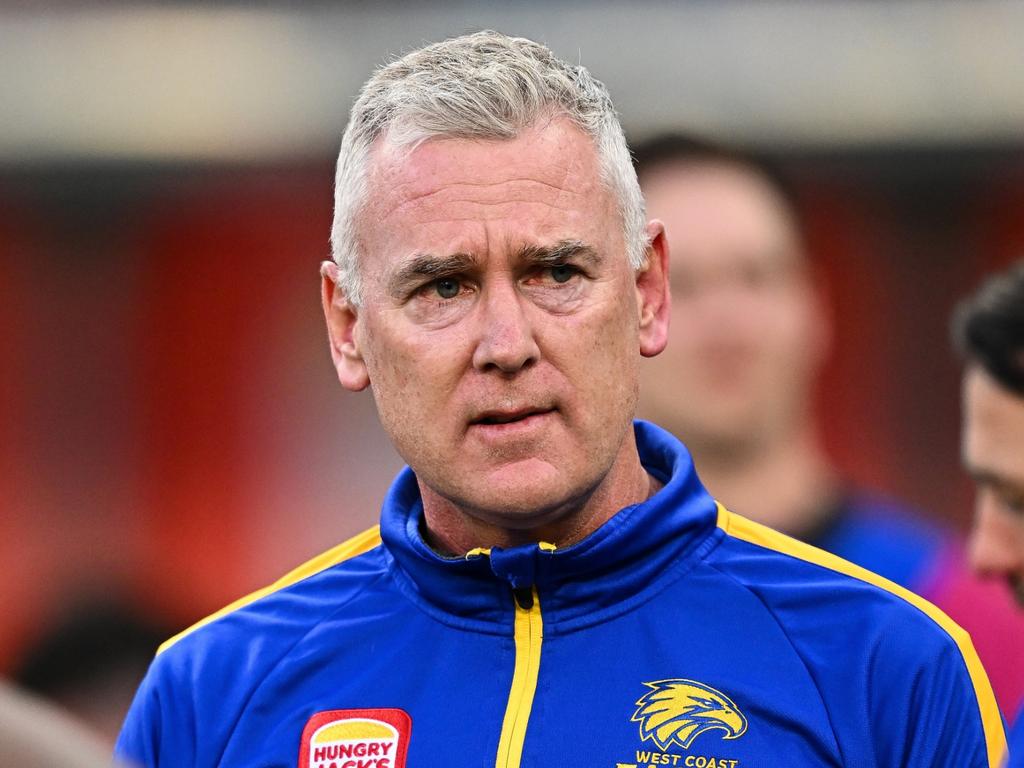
(550, 584)
(90, 661)
(749, 334)
(988, 330)
(35, 734)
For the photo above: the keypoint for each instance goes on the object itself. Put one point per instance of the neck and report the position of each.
(455, 529)
(787, 484)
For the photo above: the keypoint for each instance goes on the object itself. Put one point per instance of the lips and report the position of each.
(507, 416)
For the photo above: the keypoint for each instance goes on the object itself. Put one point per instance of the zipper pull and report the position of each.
(524, 597)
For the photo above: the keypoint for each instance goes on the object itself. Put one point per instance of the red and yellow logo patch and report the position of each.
(356, 738)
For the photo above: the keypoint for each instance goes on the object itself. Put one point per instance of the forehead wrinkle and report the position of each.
(494, 204)
(484, 211)
(485, 185)
(556, 163)
(425, 197)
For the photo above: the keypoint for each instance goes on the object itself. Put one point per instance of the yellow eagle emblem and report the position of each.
(680, 710)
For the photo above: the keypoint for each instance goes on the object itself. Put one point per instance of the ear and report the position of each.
(342, 320)
(654, 303)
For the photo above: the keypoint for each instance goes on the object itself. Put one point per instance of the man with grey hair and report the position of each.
(550, 585)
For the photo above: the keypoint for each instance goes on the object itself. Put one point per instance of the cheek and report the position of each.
(418, 384)
(390, 374)
(398, 368)
(608, 366)
(785, 329)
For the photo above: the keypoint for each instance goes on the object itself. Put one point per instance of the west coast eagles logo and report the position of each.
(678, 711)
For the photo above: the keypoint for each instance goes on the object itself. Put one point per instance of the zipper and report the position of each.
(528, 633)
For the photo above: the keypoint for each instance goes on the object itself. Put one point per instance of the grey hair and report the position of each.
(484, 85)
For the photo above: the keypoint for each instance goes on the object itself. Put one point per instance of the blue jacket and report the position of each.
(677, 634)
(904, 546)
(1016, 744)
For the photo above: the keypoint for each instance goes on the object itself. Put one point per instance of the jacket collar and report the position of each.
(641, 549)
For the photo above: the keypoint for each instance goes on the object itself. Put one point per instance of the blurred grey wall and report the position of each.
(244, 81)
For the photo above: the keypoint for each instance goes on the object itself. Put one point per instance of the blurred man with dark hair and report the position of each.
(749, 334)
(988, 330)
(90, 661)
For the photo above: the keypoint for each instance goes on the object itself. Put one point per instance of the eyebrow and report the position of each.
(559, 253)
(985, 476)
(427, 266)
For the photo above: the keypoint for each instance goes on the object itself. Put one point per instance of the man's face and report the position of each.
(747, 328)
(993, 453)
(501, 324)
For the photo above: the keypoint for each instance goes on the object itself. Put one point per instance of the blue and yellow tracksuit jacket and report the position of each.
(1016, 744)
(678, 634)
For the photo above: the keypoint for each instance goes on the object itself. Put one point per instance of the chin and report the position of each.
(523, 509)
(522, 498)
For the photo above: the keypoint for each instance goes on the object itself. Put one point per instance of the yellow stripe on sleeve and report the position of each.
(353, 547)
(755, 533)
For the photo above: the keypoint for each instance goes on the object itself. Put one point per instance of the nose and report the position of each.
(993, 548)
(506, 341)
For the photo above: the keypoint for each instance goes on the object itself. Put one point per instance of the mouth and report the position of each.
(501, 417)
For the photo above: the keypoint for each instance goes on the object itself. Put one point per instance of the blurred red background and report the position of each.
(173, 432)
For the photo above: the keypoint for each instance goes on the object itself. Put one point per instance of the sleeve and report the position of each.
(1017, 742)
(158, 732)
(930, 700)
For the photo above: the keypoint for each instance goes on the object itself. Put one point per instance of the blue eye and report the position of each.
(447, 288)
(562, 273)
